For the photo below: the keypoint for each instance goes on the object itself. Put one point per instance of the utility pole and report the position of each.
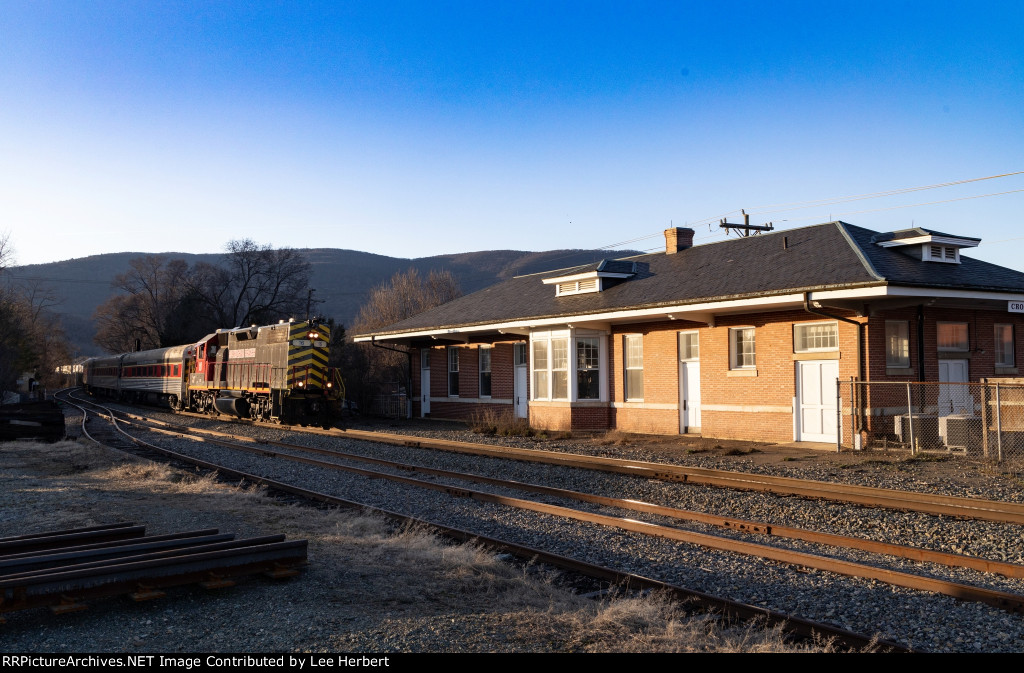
(745, 229)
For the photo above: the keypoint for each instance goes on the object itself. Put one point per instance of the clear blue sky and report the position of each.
(421, 128)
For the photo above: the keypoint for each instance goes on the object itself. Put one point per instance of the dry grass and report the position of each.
(502, 424)
(369, 586)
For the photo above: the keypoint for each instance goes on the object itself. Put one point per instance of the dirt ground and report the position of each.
(368, 587)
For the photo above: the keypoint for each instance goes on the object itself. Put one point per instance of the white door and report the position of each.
(521, 401)
(954, 399)
(424, 382)
(816, 400)
(689, 382)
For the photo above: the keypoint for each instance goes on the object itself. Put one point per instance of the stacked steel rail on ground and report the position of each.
(61, 569)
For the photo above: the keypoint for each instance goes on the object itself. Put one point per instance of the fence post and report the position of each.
(839, 419)
(910, 420)
(854, 436)
(999, 427)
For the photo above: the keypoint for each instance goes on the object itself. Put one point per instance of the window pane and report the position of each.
(634, 384)
(559, 354)
(540, 354)
(540, 384)
(688, 346)
(586, 352)
(952, 336)
(743, 348)
(816, 337)
(485, 372)
(634, 357)
(560, 385)
(897, 343)
(588, 385)
(1004, 346)
(453, 371)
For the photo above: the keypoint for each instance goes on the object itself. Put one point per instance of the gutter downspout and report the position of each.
(860, 348)
(408, 356)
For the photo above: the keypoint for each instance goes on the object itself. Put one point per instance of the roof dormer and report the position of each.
(585, 280)
(927, 245)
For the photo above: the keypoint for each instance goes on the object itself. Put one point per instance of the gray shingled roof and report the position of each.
(825, 256)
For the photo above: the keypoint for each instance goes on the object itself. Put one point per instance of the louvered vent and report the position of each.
(578, 287)
(942, 253)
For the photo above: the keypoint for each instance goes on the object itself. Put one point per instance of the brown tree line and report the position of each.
(164, 302)
(31, 338)
(371, 370)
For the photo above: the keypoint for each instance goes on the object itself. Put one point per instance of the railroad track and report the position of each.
(929, 503)
(798, 626)
(1005, 600)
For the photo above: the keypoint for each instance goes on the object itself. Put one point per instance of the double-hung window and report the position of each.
(541, 373)
(633, 352)
(551, 368)
(897, 343)
(741, 348)
(453, 371)
(1004, 346)
(588, 382)
(485, 371)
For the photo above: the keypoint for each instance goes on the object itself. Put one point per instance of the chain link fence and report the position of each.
(980, 420)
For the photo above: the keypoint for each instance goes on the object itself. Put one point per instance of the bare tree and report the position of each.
(255, 284)
(149, 310)
(404, 296)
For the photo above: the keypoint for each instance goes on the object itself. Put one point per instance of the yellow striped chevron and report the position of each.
(307, 361)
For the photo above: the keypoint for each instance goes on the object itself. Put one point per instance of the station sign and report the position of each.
(1015, 307)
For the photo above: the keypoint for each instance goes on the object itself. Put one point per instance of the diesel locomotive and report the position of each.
(275, 373)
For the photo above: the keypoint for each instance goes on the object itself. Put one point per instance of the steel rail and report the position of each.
(732, 523)
(35, 543)
(25, 563)
(788, 623)
(125, 557)
(51, 589)
(1004, 600)
(86, 529)
(988, 510)
(114, 543)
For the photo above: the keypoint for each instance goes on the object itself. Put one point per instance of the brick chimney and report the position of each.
(678, 238)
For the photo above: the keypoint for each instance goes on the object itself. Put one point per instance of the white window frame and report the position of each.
(736, 356)
(540, 369)
(897, 332)
(453, 369)
(544, 369)
(797, 340)
(1009, 358)
(632, 362)
(691, 351)
(576, 343)
(953, 349)
(489, 350)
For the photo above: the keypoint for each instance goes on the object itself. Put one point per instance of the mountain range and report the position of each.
(342, 278)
